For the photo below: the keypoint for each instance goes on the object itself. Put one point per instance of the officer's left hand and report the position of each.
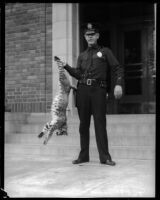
(118, 91)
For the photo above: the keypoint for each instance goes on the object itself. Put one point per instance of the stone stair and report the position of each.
(130, 136)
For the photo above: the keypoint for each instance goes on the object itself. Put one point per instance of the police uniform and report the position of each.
(92, 71)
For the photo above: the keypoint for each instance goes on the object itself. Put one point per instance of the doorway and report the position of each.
(133, 54)
(127, 35)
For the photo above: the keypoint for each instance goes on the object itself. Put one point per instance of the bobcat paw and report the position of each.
(41, 134)
(62, 133)
(46, 139)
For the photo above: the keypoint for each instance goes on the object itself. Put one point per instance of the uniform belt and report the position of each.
(93, 82)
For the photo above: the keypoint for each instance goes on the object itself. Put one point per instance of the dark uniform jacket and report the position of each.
(96, 63)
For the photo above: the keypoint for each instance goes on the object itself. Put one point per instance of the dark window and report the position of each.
(132, 47)
(132, 62)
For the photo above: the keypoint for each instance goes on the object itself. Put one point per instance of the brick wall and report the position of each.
(28, 57)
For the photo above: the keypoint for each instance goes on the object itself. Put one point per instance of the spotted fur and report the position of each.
(58, 123)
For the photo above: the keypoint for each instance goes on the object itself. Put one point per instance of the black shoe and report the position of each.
(78, 161)
(109, 162)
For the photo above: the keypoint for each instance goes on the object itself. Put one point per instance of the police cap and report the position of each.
(91, 28)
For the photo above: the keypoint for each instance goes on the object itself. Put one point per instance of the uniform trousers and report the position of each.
(91, 100)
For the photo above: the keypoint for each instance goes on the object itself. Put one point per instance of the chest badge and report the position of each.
(99, 54)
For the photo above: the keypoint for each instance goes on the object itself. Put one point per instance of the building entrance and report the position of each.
(130, 36)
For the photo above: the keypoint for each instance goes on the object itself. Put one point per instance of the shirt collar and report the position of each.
(96, 46)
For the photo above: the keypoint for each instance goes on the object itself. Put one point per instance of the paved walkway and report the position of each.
(31, 176)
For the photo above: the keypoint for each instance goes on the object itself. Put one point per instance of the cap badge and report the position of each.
(89, 26)
(99, 54)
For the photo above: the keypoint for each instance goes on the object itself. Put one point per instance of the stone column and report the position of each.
(65, 40)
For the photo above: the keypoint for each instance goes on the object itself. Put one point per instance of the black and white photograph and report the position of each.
(79, 99)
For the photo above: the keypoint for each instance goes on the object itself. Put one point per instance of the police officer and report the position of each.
(92, 73)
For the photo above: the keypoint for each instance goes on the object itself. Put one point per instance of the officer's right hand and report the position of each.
(60, 63)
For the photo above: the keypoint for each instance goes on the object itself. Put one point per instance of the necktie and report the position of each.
(89, 59)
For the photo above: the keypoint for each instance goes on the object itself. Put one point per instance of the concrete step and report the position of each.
(118, 128)
(34, 118)
(20, 117)
(130, 136)
(119, 152)
(121, 140)
(121, 118)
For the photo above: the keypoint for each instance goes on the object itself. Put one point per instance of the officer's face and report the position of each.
(91, 38)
